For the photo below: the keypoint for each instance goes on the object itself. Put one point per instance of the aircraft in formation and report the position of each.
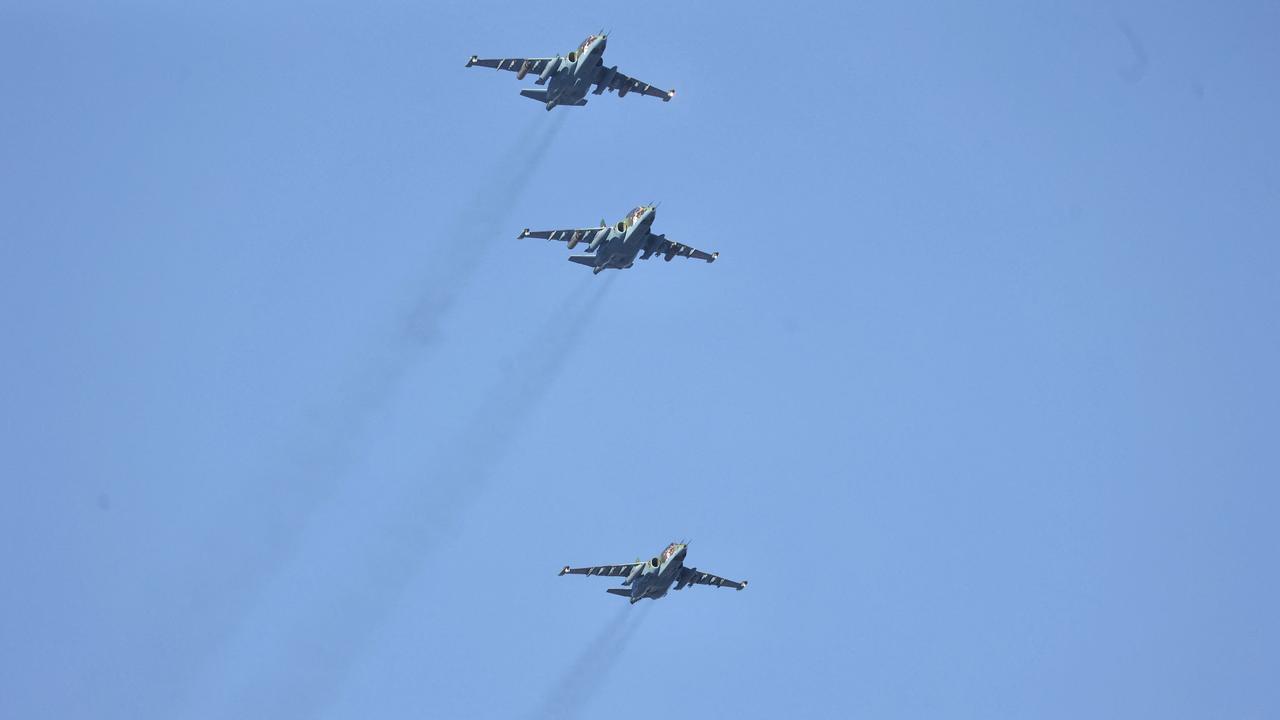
(653, 578)
(567, 82)
(568, 79)
(618, 245)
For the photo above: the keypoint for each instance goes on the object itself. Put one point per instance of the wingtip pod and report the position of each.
(744, 586)
(714, 255)
(670, 94)
(472, 60)
(523, 234)
(564, 570)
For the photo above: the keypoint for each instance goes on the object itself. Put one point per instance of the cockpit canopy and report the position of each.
(586, 44)
(671, 550)
(635, 215)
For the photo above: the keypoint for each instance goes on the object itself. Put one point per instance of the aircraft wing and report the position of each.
(697, 577)
(571, 236)
(671, 248)
(522, 66)
(624, 84)
(611, 570)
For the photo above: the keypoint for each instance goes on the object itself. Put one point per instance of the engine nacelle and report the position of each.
(685, 578)
(550, 68)
(606, 79)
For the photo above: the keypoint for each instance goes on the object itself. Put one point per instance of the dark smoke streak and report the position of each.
(270, 536)
(1134, 72)
(580, 682)
(315, 650)
(483, 221)
(458, 254)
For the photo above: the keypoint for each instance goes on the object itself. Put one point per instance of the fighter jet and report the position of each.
(617, 245)
(568, 79)
(652, 579)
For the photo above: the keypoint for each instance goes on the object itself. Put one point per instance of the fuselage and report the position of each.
(627, 239)
(658, 573)
(572, 80)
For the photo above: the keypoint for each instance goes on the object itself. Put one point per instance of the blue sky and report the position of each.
(981, 395)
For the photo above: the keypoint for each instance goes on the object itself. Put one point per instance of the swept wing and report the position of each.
(670, 248)
(611, 79)
(519, 66)
(694, 576)
(572, 236)
(610, 570)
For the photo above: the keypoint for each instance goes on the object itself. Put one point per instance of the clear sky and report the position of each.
(981, 395)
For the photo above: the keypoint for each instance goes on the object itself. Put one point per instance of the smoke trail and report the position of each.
(269, 537)
(304, 654)
(1138, 68)
(482, 222)
(580, 682)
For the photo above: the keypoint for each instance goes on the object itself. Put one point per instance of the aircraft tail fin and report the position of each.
(624, 592)
(588, 260)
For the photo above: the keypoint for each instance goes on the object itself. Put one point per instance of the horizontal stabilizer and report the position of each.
(624, 592)
(588, 260)
(540, 94)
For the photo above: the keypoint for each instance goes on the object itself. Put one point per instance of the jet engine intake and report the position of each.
(621, 226)
(654, 562)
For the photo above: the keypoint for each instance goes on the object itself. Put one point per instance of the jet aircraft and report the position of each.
(653, 578)
(568, 79)
(617, 245)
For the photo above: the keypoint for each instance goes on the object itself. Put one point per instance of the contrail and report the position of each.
(580, 682)
(299, 659)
